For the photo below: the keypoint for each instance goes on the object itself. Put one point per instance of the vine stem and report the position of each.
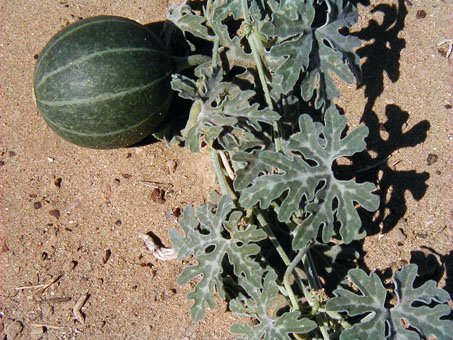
(255, 46)
(226, 188)
(262, 220)
(290, 267)
(288, 272)
(215, 48)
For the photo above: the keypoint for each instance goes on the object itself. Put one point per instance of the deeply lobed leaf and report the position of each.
(328, 199)
(328, 49)
(209, 237)
(383, 323)
(223, 106)
(187, 21)
(257, 304)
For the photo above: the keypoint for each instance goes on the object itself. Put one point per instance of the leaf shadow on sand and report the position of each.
(379, 164)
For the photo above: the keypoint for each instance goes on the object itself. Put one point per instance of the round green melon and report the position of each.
(103, 82)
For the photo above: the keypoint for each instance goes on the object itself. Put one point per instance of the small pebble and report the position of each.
(70, 266)
(422, 235)
(169, 214)
(37, 205)
(431, 159)
(172, 165)
(75, 204)
(173, 214)
(55, 213)
(177, 212)
(158, 195)
(420, 14)
(442, 52)
(58, 182)
(37, 332)
(106, 256)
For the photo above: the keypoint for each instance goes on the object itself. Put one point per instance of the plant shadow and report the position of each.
(378, 164)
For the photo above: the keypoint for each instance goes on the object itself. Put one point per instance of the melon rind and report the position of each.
(103, 82)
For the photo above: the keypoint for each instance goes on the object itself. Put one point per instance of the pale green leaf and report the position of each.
(231, 46)
(328, 199)
(257, 304)
(252, 169)
(291, 23)
(386, 323)
(223, 107)
(187, 21)
(209, 238)
(331, 51)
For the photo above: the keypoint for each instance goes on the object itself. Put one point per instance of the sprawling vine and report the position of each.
(274, 164)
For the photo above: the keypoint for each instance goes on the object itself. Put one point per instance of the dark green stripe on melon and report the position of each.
(103, 82)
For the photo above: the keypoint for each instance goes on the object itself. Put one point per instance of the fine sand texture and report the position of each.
(71, 217)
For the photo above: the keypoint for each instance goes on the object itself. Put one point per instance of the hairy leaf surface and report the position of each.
(257, 305)
(291, 23)
(223, 106)
(231, 46)
(330, 51)
(383, 323)
(327, 197)
(209, 237)
(187, 21)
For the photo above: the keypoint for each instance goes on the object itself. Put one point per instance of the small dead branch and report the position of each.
(157, 185)
(226, 165)
(160, 253)
(46, 325)
(56, 300)
(43, 286)
(76, 310)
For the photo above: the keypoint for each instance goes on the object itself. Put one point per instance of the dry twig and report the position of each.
(76, 310)
(46, 325)
(160, 253)
(158, 185)
(43, 286)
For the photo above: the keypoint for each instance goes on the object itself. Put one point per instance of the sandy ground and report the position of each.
(71, 216)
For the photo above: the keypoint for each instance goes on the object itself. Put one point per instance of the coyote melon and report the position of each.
(103, 82)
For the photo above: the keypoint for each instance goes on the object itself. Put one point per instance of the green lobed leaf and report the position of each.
(223, 107)
(257, 305)
(386, 323)
(231, 46)
(251, 170)
(209, 237)
(296, 180)
(332, 51)
(328, 199)
(291, 24)
(187, 21)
